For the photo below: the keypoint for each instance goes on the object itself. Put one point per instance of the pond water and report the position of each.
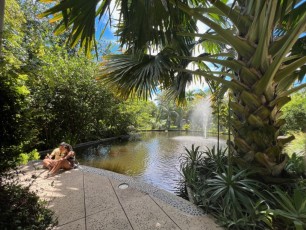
(154, 158)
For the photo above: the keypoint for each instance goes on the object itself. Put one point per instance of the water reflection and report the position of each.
(154, 159)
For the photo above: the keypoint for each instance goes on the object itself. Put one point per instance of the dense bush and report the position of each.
(15, 124)
(24, 158)
(68, 104)
(12, 91)
(295, 113)
(11, 107)
(142, 113)
(21, 209)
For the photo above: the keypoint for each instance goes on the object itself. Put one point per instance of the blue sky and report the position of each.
(108, 35)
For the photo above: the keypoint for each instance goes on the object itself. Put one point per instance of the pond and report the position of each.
(153, 159)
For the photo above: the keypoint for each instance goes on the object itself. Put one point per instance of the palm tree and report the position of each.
(189, 95)
(254, 48)
(168, 110)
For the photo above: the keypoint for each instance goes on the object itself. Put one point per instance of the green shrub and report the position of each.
(227, 193)
(214, 161)
(21, 209)
(237, 198)
(189, 165)
(295, 113)
(73, 106)
(24, 158)
(295, 165)
(288, 209)
(232, 197)
(186, 127)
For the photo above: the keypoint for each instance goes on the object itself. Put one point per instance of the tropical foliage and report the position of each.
(13, 92)
(237, 197)
(290, 208)
(169, 115)
(68, 104)
(257, 47)
(19, 208)
(58, 94)
(142, 113)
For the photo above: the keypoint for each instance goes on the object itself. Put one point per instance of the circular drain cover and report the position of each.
(123, 186)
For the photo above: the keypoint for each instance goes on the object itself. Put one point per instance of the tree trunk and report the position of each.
(256, 125)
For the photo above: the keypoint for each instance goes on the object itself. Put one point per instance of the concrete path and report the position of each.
(88, 198)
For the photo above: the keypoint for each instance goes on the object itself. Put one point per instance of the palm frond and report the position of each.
(79, 15)
(138, 74)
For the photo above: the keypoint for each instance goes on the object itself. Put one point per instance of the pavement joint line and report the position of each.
(94, 213)
(84, 200)
(120, 203)
(71, 222)
(164, 211)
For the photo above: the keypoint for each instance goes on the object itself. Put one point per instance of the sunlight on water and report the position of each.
(154, 159)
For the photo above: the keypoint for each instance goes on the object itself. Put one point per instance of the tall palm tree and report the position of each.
(168, 110)
(255, 48)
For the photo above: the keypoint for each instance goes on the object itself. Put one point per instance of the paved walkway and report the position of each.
(88, 198)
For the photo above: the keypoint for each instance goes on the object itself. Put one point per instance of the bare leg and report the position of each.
(48, 163)
(60, 164)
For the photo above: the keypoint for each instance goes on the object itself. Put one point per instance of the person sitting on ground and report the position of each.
(56, 155)
(66, 162)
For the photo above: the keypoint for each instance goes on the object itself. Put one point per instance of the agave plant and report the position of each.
(234, 199)
(192, 156)
(254, 48)
(189, 164)
(234, 189)
(214, 161)
(290, 209)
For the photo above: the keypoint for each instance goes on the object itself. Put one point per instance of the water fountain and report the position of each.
(201, 117)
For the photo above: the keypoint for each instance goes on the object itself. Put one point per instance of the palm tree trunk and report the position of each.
(256, 126)
(168, 121)
(2, 6)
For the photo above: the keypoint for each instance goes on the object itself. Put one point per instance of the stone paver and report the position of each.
(75, 225)
(111, 219)
(84, 200)
(69, 205)
(99, 194)
(141, 209)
